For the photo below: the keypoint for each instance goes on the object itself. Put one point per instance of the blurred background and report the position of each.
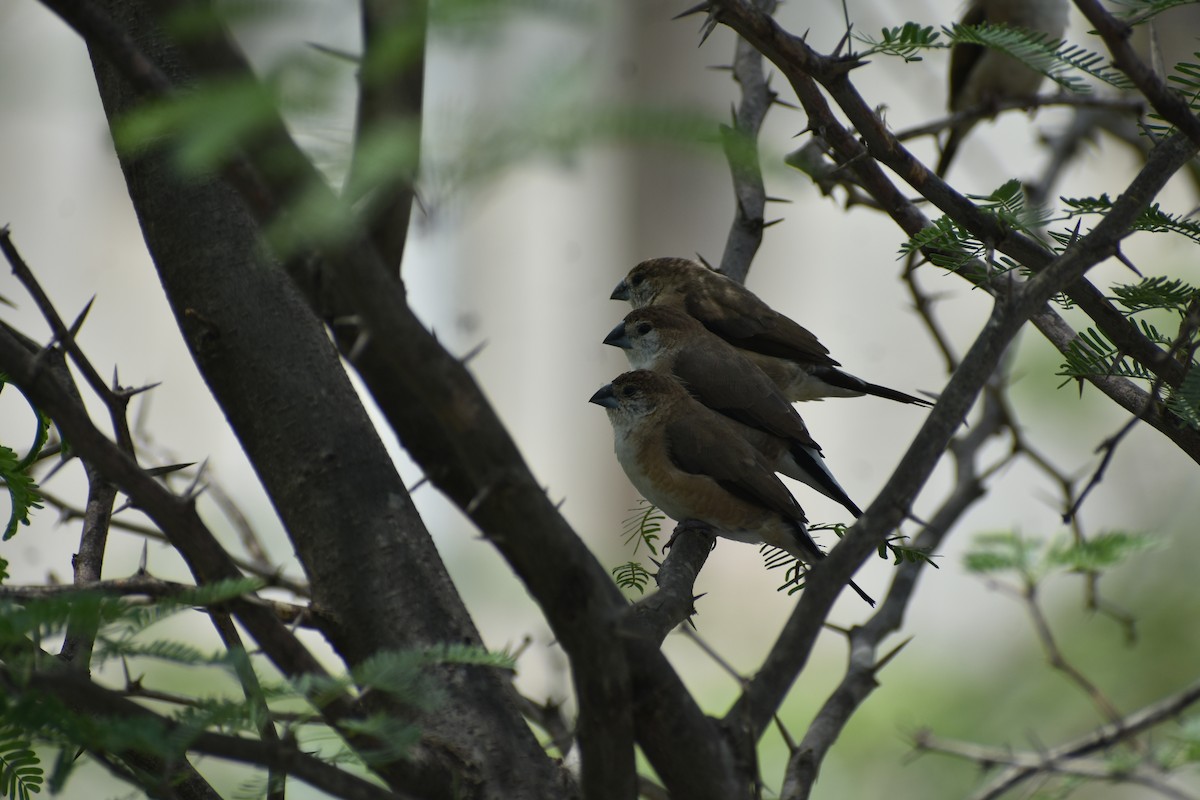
(522, 236)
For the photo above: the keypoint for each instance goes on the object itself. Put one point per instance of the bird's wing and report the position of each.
(745, 321)
(964, 57)
(726, 381)
(702, 443)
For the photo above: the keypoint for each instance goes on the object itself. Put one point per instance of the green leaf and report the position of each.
(21, 772)
(203, 126)
(1099, 552)
(906, 41)
(1184, 402)
(643, 527)
(632, 575)
(1001, 552)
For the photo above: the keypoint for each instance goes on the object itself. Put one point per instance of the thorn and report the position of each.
(721, 67)
(1125, 260)
(775, 101)
(360, 344)
(155, 472)
(474, 351)
(777, 200)
(145, 558)
(78, 323)
(772, 222)
(53, 470)
(894, 652)
(7, 302)
(706, 29)
(127, 393)
(116, 381)
(424, 479)
(343, 55)
(696, 9)
(703, 261)
(787, 736)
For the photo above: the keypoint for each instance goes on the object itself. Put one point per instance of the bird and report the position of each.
(981, 76)
(789, 354)
(689, 462)
(668, 341)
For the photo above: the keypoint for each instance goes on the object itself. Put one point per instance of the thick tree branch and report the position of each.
(391, 92)
(452, 432)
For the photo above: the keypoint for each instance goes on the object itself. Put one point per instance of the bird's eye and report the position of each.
(644, 328)
(636, 280)
(628, 391)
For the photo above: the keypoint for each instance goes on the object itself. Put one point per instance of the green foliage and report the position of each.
(951, 246)
(1052, 57)
(21, 772)
(1156, 292)
(1056, 59)
(905, 41)
(15, 472)
(643, 527)
(1093, 354)
(28, 715)
(1151, 219)
(1140, 11)
(632, 575)
(1033, 559)
(203, 126)
(1186, 78)
(893, 548)
(1184, 402)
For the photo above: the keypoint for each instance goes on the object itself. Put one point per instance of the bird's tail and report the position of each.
(844, 380)
(814, 472)
(811, 553)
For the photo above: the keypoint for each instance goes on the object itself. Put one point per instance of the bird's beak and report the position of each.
(621, 292)
(605, 397)
(617, 338)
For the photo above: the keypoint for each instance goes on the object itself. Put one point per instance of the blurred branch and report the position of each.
(391, 78)
(1043, 763)
(740, 142)
(1100, 739)
(86, 697)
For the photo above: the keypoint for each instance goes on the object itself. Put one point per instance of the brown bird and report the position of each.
(981, 76)
(670, 342)
(789, 354)
(688, 461)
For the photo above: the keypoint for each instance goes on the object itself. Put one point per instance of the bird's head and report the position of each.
(659, 281)
(654, 333)
(635, 395)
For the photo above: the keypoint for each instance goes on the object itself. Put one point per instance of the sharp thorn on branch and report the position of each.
(128, 393)
(706, 29)
(772, 222)
(1124, 259)
(895, 651)
(696, 9)
(145, 558)
(777, 200)
(474, 351)
(78, 323)
(360, 344)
